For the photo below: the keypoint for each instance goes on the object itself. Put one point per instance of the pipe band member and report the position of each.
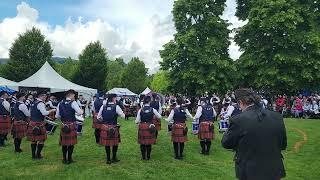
(110, 130)
(98, 103)
(155, 104)
(205, 115)
(21, 117)
(147, 130)
(126, 107)
(36, 130)
(5, 120)
(178, 117)
(66, 111)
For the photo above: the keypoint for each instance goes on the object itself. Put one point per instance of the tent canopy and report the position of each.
(121, 92)
(47, 77)
(146, 91)
(7, 83)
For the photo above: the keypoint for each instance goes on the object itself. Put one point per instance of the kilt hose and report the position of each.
(145, 137)
(157, 123)
(108, 139)
(68, 139)
(43, 131)
(95, 122)
(205, 131)
(19, 129)
(178, 134)
(5, 124)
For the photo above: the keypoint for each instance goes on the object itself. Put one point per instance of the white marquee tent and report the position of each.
(47, 77)
(121, 92)
(147, 91)
(7, 83)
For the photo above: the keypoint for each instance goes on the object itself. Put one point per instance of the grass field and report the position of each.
(302, 157)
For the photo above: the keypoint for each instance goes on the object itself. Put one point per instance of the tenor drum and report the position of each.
(50, 126)
(223, 125)
(195, 127)
(79, 127)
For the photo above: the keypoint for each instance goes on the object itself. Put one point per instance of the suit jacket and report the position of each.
(257, 136)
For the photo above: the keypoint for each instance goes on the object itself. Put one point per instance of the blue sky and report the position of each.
(126, 28)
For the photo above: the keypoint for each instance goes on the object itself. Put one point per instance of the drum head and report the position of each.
(79, 118)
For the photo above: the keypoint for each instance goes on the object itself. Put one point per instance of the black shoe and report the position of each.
(207, 153)
(71, 161)
(177, 158)
(65, 161)
(39, 156)
(202, 152)
(115, 160)
(108, 162)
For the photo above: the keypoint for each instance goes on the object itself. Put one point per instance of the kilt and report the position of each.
(42, 136)
(127, 110)
(105, 139)
(204, 131)
(5, 124)
(19, 129)
(157, 123)
(145, 137)
(177, 134)
(95, 122)
(67, 139)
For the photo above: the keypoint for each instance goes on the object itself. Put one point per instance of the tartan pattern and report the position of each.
(177, 134)
(42, 136)
(5, 124)
(204, 131)
(126, 110)
(105, 140)
(19, 129)
(67, 139)
(95, 122)
(144, 135)
(157, 123)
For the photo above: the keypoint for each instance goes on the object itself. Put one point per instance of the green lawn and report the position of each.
(302, 163)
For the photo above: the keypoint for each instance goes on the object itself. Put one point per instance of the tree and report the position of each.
(280, 44)
(92, 69)
(68, 68)
(27, 54)
(134, 75)
(197, 60)
(160, 82)
(115, 71)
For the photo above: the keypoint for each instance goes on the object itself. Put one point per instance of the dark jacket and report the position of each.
(258, 136)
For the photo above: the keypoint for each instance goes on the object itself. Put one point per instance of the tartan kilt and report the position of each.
(157, 123)
(177, 134)
(105, 140)
(145, 137)
(126, 110)
(204, 131)
(19, 129)
(67, 139)
(5, 124)
(42, 136)
(95, 122)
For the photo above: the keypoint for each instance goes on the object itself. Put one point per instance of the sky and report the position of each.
(126, 28)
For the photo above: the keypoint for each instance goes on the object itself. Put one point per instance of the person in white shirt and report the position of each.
(147, 130)
(5, 119)
(314, 108)
(21, 115)
(178, 117)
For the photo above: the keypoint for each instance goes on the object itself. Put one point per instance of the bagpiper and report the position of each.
(97, 104)
(5, 120)
(110, 130)
(36, 130)
(205, 115)
(147, 130)
(66, 111)
(155, 104)
(177, 118)
(21, 118)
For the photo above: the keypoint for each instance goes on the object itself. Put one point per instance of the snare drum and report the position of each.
(79, 127)
(195, 127)
(50, 126)
(223, 125)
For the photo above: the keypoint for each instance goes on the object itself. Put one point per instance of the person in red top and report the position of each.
(297, 108)
(280, 103)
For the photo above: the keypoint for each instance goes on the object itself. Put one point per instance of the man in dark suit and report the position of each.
(257, 136)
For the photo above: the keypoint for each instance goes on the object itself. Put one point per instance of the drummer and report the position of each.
(52, 104)
(126, 106)
(5, 121)
(110, 135)
(21, 117)
(178, 117)
(205, 116)
(155, 104)
(147, 130)
(66, 111)
(36, 130)
(97, 104)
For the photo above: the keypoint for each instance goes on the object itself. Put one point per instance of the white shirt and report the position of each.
(42, 108)
(6, 105)
(22, 107)
(118, 111)
(51, 105)
(228, 111)
(212, 101)
(199, 112)
(170, 117)
(74, 106)
(155, 112)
